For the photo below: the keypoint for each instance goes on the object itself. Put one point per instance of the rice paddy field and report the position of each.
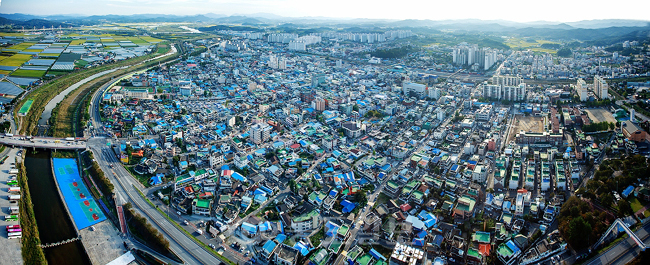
(29, 73)
(16, 60)
(26, 56)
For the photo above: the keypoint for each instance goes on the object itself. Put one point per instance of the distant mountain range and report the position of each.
(267, 18)
(587, 30)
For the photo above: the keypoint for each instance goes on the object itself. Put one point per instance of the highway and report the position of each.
(625, 251)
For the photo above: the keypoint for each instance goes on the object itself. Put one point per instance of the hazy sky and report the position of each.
(514, 10)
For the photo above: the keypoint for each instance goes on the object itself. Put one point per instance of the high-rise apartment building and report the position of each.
(319, 104)
(581, 89)
(472, 55)
(600, 87)
(505, 92)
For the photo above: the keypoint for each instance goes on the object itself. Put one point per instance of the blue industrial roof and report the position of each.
(269, 246)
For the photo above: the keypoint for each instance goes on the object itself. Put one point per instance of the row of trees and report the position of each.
(145, 231)
(599, 126)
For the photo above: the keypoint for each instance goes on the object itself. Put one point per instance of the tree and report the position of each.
(624, 208)
(293, 186)
(361, 198)
(564, 52)
(355, 108)
(607, 200)
(578, 228)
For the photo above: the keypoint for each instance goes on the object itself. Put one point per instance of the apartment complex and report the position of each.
(600, 87)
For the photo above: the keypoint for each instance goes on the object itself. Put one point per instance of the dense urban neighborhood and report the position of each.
(334, 147)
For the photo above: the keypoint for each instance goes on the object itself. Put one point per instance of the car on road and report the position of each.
(212, 246)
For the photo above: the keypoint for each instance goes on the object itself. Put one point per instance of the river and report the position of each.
(54, 224)
(47, 113)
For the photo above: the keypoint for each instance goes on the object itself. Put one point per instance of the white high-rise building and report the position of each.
(260, 132)
(581, 89)
(505, 92)
(506, 80)
(434, 93)
(472, 55)
(600, 87)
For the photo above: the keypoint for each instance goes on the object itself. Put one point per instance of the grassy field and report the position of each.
(4, 72)
(16, 60)
(7, 34)
(28, 73)
(150, 39)
(637, 205)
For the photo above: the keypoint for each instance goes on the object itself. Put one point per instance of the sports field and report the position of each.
(25, 108)
(85, 211)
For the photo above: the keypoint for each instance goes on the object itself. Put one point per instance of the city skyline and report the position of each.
(508, 10)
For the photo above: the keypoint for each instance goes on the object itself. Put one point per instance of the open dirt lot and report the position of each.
(527, 124)
(600, 115)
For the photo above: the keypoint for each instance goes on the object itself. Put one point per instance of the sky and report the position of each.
(512, 10)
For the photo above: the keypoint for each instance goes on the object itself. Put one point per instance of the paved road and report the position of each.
(187, 249)
(625, 251)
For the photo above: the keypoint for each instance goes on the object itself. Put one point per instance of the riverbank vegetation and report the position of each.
(142, 229)
(64, 154)
(31, 243)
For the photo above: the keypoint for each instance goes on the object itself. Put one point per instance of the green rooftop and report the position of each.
(473, 253)
(202, 203)
(343, 230)
(481, 237)
(364, 260)
(306, 216)
(504, 250)
(335, 246)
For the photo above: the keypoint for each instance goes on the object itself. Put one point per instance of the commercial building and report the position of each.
(633, 132)
(414, 90)
(484, 113)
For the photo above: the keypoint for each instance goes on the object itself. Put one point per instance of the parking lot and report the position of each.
(9, 247)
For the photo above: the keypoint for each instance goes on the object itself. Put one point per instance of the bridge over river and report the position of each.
(43, 142)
